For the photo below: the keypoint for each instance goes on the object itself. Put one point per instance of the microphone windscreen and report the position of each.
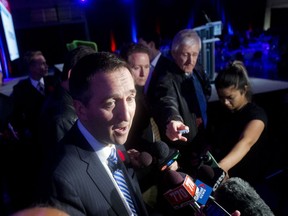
(206, 174)
(145, 159)
(160, 150)
(173, 178)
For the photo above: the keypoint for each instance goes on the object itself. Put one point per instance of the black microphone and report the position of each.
(210, 172)
(211, 176)
(170, 159)
(159, 150)
(164, 155)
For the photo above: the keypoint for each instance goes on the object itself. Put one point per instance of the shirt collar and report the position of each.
(103, 151)
(155, 60)
(35, 82)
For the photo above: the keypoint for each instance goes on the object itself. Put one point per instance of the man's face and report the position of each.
(186, 57)
(110, 111)
(38, 67)
(140, 64)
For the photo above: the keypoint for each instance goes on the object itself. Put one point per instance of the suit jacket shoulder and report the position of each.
(80, 183)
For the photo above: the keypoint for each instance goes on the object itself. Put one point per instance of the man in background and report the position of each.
(27, 98)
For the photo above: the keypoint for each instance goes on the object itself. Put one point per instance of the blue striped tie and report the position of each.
(120, 179)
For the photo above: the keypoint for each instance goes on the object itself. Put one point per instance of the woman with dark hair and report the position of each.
(238, 125)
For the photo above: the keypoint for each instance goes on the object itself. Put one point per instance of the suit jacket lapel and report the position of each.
(97, 173)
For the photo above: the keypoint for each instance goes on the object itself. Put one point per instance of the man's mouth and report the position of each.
(121, 130)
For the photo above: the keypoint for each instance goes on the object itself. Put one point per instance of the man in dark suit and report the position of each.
(27, 99)
(137, 56)
(103, 91)
(160, 64)
(58, 111)
(175, 104)
(29, 94)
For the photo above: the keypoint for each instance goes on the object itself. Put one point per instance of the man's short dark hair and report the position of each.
(87, 67)
(72, 57)
(150, 36)
(129, 49)
(28, 58)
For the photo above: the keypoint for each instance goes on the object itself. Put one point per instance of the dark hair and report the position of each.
(129, 49)
(235, 74)
(149, 36)
(72, 57)
(87, 67)
(28, 58)
(237, 194)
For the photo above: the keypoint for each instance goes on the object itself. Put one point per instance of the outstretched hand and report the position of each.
(173, 128)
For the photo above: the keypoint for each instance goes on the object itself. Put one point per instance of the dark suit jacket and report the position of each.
(170, 96)
(27, 102)
(163, 66)
(173, 101)
(5, 111)
(59, 115)
(81, 185)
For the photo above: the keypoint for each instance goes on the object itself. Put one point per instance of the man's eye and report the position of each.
(135, 68)
(230, 98)
(109, 104)
(131, 98)
(195, 55)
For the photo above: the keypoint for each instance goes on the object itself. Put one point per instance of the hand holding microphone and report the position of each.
(139, 159)
(175, 130)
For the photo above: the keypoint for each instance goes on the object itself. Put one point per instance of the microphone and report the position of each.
(181, 191)
(164, 155)
(211, 176)
(139, 159)
(238, 194)
(185, 192)
(210, 172)
(145, 159)
(159, 150)
(171, 158)
(206, 17)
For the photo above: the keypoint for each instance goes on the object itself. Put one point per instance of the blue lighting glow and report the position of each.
(3, 56)
(83, 1)
(133, 29)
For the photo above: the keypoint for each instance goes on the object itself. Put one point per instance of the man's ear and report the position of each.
(69, 73)
(151, 44)
(245, 90)
(80, 109)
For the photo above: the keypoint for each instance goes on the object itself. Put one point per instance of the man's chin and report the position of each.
(120, 141)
